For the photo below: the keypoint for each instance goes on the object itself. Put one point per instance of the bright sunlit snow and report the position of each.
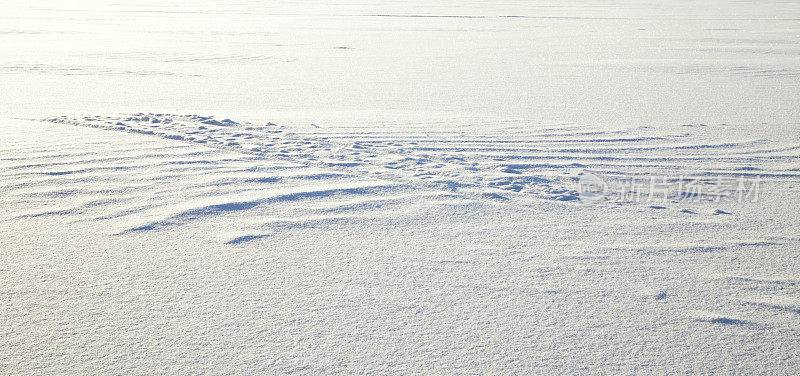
(399, 187)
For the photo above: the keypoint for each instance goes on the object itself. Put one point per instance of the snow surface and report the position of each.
(394, 187)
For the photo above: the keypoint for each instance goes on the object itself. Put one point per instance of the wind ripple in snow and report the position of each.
(138, 184)
(507, 160)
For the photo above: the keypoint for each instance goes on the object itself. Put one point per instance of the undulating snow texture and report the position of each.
(399, 187)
